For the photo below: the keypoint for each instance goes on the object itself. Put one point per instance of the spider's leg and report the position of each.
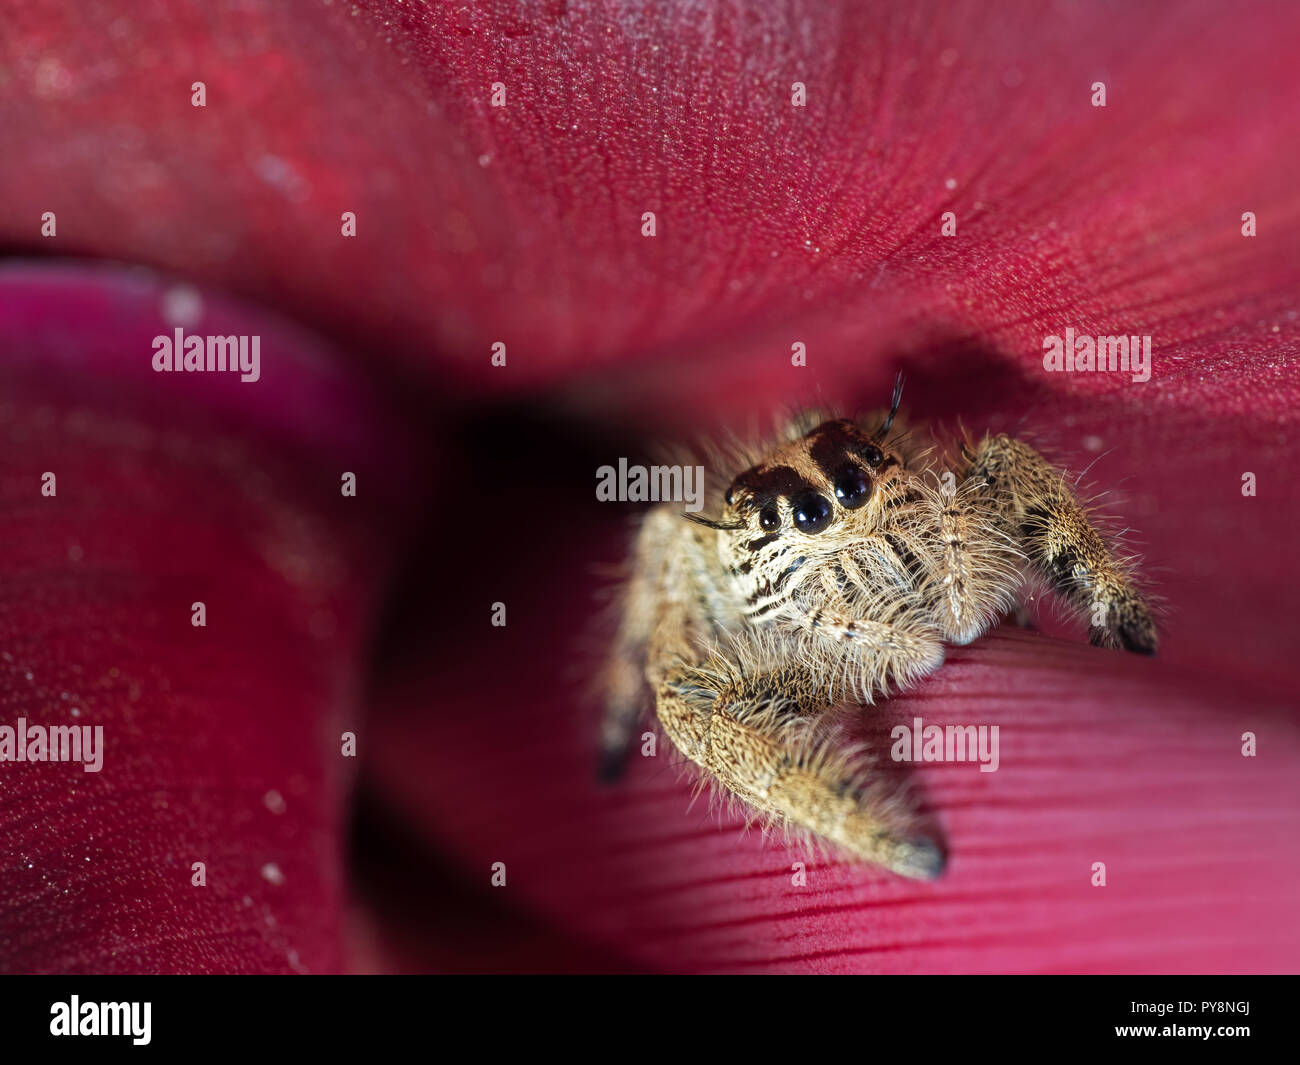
(754, 734)
(1054, 530)
(656, 617)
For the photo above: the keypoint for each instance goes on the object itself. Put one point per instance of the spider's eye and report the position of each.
(812, 513)
(872, 455)
(769, 518)
(852, 488)
(730, 497)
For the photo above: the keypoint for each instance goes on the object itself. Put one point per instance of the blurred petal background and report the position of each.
(522, 225)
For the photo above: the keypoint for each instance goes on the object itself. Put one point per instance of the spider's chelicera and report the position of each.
(842, 561)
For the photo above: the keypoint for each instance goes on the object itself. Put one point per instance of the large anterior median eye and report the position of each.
(852, 488)
(812, 513)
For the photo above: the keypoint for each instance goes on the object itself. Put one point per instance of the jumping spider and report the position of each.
(841, 562)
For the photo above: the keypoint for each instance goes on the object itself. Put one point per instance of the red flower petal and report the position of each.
(220, 744)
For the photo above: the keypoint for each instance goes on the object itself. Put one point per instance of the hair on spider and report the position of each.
(709, 523)
(895, 402)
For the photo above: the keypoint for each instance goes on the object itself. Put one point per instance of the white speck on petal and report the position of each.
(182, 305)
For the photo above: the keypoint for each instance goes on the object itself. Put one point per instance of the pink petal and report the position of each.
(220, 744)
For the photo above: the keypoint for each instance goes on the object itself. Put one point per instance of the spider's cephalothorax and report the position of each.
(841, 562)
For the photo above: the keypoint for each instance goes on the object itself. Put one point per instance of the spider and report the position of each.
(841, 562)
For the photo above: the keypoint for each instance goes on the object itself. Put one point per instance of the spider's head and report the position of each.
(826, 485)
(806, 500)
(834, 476)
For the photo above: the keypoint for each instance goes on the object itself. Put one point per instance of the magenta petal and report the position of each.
(821, 225)
(221, 743)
